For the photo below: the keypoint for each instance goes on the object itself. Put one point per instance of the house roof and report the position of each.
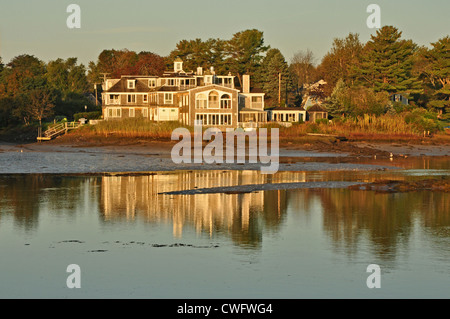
(166, 88)
(316, 108)
(211, 86)
(287, 109)
(249, 110)
(122, 86)
(256, 90)
(178, 75)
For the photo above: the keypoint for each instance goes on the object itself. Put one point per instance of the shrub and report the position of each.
(87, 115)
(322, 121)
(313, 128)
(423, 120)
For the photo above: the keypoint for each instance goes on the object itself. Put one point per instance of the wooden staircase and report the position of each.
(57, 129)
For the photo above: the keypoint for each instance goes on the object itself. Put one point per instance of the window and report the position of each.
(145, 98)
(132, 112)
(145, 112)
(213, 100)
(114, 112)
(225, 102)
(152, 83)
(114, 99)
(214, 119)
(170, 82)
(200, 101)
(257, 101)
(131, 98)
(168, 98)
(131, 84)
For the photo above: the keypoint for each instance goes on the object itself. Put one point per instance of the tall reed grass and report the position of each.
(132, 128)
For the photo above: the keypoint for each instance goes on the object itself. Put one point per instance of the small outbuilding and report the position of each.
(316, 112)
(399, 98)
(287, 114)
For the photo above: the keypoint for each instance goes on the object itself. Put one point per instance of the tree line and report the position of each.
(360, 77)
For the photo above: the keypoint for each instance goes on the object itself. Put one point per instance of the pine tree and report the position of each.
(387, 62)
(439, 75)
(244, 52)
(274, 64)
(336, 104)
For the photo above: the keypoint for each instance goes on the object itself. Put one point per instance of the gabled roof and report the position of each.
(122, 86)
(281, 108)
(316, 108)
(214, 86)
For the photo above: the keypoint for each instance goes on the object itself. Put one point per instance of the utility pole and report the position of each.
(279, 89)
(286, 103)
(104, 77)
(96, 96)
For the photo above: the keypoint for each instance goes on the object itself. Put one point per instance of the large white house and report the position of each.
(185, 97)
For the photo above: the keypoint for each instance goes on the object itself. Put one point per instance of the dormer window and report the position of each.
(178, 65)
(131, 84)
(152, 83)
(208, 79)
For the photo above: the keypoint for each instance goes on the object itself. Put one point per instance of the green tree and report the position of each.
(356, 100)
(387, 63)
(23, 74)
(7, 107)
(67, 77)
(339, 104)
(271, 68)
(244, 52)
(439, 76)
(194, 53)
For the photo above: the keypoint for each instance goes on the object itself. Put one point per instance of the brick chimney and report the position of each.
(246, 83)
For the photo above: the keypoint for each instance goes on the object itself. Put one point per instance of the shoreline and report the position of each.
(154, 156)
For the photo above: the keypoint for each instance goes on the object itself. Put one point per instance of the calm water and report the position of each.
(132, 241)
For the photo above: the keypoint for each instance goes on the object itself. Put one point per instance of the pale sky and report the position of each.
(39, 27)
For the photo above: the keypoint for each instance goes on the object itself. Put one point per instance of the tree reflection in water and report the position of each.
(350, 218)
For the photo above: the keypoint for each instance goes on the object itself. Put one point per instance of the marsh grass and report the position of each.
(385, 128)
(132, 128)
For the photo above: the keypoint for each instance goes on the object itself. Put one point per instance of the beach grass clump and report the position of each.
(132, 128)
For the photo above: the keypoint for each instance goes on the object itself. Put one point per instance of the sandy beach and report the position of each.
(151, 156)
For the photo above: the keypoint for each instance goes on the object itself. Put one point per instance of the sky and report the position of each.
(39, 27)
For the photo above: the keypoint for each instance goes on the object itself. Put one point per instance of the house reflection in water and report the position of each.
(241, 216)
